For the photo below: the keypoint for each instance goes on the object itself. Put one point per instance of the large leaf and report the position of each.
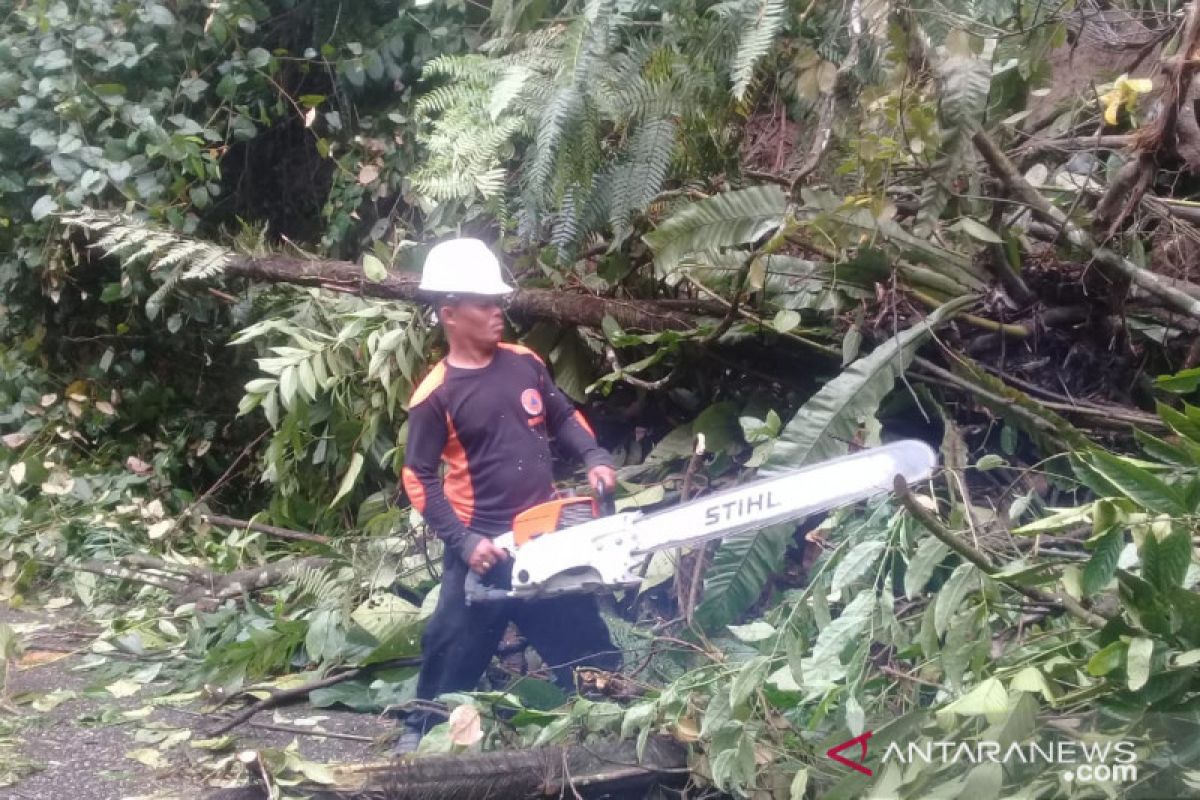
(1138, 484)
(930, 554)
(825, 666)
(739, 571)
(830, 419)
(724, 220)
(1165, 561)
(1103, 563)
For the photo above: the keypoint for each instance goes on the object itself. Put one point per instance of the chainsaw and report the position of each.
(580, 544)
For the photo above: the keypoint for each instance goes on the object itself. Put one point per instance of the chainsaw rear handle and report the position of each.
(605, 501)
(477, 591)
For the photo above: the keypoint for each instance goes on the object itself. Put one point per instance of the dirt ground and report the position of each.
(80, 749)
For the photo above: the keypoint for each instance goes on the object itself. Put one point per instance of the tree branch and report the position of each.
(1114, 262)
(968, 553)
(561, 306)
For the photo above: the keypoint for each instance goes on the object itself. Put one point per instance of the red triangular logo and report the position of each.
(861, 740)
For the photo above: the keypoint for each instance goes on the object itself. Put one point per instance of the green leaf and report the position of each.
(749, 678)
(1182, 424)
(1137, 484)
(754, 632)
(930, 553)
(989, 697)
(1107, 659)
(825, 666)
(984, 782)
(1137, 662)
(799, 785)
(44, 206)
(1184, 382)
(1103, 564)
(965, 82)
(1031, 679)
(856, 563)
(785, 320)
(1021, 722)
(977, 230)
(720, 426)
(963, 581)
(373, 268)
(1165, 561)
(740, 569)
(991, 461)
(258, 58)
(349, 479)
(822, 427)
(1185, 453)
(724, 220)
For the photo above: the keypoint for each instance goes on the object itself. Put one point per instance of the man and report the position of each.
(488, 411)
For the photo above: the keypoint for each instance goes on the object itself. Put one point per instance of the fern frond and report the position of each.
(756, 39)
(642, 176)
(564, 108)
(324, 587)
(724, 220)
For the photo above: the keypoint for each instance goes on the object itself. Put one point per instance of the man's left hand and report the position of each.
(602, 475)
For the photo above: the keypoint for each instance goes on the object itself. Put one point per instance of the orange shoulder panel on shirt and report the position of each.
(459, 490)
(435, 378)
(414, 489)
(520, 350)
(582, 420)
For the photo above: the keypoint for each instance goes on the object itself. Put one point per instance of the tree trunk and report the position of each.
(565, 307)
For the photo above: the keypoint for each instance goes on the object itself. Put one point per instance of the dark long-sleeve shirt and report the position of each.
(492, 428)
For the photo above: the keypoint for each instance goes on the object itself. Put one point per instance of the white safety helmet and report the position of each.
(462, 266)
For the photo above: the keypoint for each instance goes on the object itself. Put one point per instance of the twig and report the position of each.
(739, 284)
(282, 533)
(124, 574)
(267, 726)
(283, 697)
(1036, 146)
(968, 553)
(1102, 412)
(895, 673)
(1008, 329)
(229, 471)
(638, 383)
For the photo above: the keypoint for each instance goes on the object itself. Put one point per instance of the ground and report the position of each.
(94, 745)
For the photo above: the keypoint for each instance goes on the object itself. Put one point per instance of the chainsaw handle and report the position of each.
(605, 501)
(476, 591)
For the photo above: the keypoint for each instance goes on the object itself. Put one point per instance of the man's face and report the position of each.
(475, 320)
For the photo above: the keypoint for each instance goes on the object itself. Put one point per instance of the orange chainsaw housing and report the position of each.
(548, 517)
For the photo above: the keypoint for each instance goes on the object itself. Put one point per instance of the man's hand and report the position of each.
(485, 556)
(602, 475)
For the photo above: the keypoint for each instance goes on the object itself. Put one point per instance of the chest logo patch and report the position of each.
(531, 401)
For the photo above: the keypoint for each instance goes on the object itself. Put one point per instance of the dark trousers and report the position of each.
(460, 640)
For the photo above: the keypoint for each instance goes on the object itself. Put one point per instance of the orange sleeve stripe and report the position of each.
(459, 490)
(414, 489)
(521, 350)
(435, 378)
(582, 420)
